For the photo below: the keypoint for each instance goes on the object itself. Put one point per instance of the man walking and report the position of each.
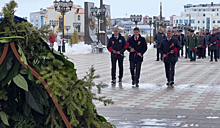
(201, 45)
(158, 39)
(116, 46)
(169, 51)
(182, 43)
(192, 44)
(186, 44)
(137, 46)
(213, 44)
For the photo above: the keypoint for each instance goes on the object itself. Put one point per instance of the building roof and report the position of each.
(79, 11)
(42, 11)
(203, 5)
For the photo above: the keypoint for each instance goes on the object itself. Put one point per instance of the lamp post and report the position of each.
(136, 19)
(150, 22)
(64, 7)
(53, 23)
(67, 29)
(98, 12)
(76, 25)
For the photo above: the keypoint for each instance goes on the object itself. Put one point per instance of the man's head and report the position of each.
(197, 33)
(116, 31)
(175, 32)
(188, 33)
(161, 31)
(201, 33)
(136, 31)
(191, 32)
(169, 34)
(213, 31)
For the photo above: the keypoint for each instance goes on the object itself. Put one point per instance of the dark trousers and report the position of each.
(170, 71)
(159, 55)
(218, 55)
(209, 51)
(59, 48)
(214, 52)
(200, 52)
(120, 65)
(192, 55)
(186, 52)
(204, 52)
(135, 69)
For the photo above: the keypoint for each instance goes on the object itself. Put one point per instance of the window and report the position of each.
(217, 9)
(78, 17)
(199, 9)
(194, 9)
(176, 21)
(218, 21)
(36, 20)
(36, 25)
(213, 10)
(186, 21)
(213, 21)
(217, 14)
(203, 14)
(192, 21)
(203, 21)
(204, 10)
(203, 27)
(181, 21)
(198, 21)
(32, 21)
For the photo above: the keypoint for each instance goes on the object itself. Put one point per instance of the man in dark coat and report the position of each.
(213, 44)
(116, 46)
(201, 45)
(137, 46)
(207, 35)
(169, 50)
(158, 39)
(182, 43)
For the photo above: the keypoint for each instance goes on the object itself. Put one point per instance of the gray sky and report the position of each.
(119, 8)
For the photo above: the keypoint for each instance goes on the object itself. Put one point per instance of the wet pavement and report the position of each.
(193, 102)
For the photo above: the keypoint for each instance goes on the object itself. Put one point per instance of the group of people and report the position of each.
(193, 44)
(170, 47)
(52, 39)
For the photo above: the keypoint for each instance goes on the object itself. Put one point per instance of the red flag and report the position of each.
(193, 49)
(203, 47)
(217, 41)
(219, 45)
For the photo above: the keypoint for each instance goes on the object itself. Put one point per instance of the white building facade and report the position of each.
(76, 15)
(203, 16)
(38, 18)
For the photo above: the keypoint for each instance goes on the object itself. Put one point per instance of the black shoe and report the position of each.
(114, 81)
(211, 60)
(133, 82)
(185, 57)
(120, 80)
(216, 60)
(156, 60)
(137, 85)
(172, 83)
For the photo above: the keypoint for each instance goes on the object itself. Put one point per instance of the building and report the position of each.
(1, 14)
(76, 15)
(202, 16)
(38, 18)
(171, 20)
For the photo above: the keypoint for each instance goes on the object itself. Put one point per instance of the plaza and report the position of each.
(194, 101)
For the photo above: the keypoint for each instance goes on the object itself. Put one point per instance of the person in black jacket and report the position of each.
(158, 39)
(116, 46)
(182, 43)
(213, 44)
(169, 51)
(137, 46)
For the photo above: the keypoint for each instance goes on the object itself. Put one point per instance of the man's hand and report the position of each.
(172, 51)
(118, 52)
(139, 54)
(114, 52)
(164, 55)
(214, 43)
(132, 50)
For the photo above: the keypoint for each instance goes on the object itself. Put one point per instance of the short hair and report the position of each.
(116, 28)
(169, 31)
(136, 29)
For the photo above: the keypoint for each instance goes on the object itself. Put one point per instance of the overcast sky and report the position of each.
(119, 8)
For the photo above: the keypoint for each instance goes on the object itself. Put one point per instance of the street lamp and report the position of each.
(63, 7)
(76, 25)
(98, 12)
(67, 29)
(54, 23)
(136, 19)
(150, 22)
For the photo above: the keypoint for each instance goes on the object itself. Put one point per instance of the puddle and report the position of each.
(212, 117)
